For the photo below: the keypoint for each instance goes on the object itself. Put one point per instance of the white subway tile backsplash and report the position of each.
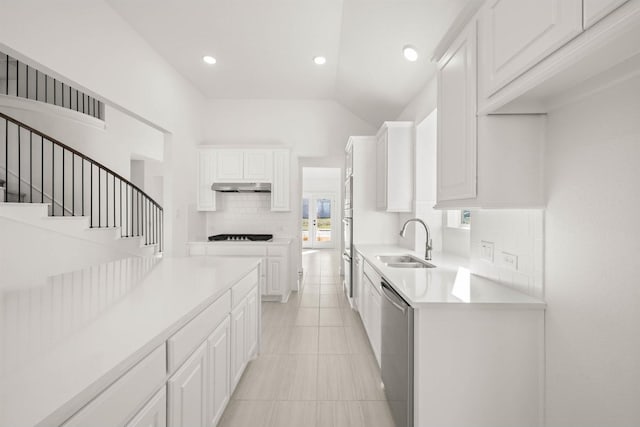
(515, 232)
(247, 213)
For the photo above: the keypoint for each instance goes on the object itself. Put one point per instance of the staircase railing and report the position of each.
(41, 169)
(21, 80)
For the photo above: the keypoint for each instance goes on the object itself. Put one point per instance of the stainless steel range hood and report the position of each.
(242, 187)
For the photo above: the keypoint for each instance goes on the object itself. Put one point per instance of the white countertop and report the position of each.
(449, 283)
(70, 336)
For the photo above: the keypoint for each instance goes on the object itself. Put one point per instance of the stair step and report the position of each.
(24, 211)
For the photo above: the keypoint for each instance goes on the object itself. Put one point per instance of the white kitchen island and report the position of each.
(128, 341)
(478, 346)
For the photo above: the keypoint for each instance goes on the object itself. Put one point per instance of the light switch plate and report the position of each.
(486, 251)
(510, 261)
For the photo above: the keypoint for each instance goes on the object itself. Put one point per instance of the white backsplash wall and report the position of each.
(247, 213)
(517, 240)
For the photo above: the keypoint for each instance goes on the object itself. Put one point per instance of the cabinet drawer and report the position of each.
(243, 287)
(118, 403)
(187, 339)
(277, 251)
(236, 250)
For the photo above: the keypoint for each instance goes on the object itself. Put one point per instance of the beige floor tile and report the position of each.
(335, 378)
(294, 414)
(366, 376)
(307, 316)
(340, 414)
(332, 340)
(329, 300)
(261, 379)
(330, 289)
(376, 414)
(350, 317)
(311, 289)
(310, 299)
(357, 340)
(299, 377)
(246, 413)
(275, 339)
(303, 340)
(330, 317)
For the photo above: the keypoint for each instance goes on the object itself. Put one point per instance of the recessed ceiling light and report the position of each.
(320, 60)
(410, 53)
(209, 59)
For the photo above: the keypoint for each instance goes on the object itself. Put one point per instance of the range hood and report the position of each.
(242, 187)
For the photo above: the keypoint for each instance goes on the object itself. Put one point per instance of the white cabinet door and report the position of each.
(517, 34)
(375, 325)
(251, 345)
(229, 165)
(219, 366)
(274, 274)
(595, 10)
(381, 170)
(206, 175)
(238, 342)
(257, 165)
(187, 392)
(457, 133)
(280, 197)
(154, 413)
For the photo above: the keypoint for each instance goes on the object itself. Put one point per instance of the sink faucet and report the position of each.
(427, 252)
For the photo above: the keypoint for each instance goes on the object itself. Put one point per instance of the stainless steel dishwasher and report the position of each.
(397, 355)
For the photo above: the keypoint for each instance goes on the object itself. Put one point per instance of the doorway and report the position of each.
(320, 207)
(318, 222)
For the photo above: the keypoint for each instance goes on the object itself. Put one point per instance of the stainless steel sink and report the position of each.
(404, 261)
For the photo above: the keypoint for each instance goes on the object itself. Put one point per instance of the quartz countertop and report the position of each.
(71, 335)
(450, 283)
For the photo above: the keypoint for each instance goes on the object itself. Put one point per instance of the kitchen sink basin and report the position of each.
(404, 261)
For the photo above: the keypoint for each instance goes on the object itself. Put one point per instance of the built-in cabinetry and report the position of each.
(203, 361)
(517, 34)
(216, 164)
(370, 309)
(277, 274)
(394, 167)
(531, 52)
(490, 161)
(252, 165)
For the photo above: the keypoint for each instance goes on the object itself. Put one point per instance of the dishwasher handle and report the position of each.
(393, 297)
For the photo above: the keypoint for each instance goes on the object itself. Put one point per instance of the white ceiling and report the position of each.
(264, 48)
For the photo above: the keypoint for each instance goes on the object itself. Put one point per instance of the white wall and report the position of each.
(515, 232)
(103, 56)
(591, 273)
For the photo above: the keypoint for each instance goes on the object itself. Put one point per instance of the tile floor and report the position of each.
(316, 368)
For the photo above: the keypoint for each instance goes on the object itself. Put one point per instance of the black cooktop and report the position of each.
(241, 238)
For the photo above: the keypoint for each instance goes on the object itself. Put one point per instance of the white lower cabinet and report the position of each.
(187, 390)
(370, 313)
(218, 354)
(252, 331)
(238, 343)
(154, 413)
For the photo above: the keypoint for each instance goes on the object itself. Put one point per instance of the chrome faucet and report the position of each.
(427, 252)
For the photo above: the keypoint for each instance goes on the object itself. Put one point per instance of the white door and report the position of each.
(251, 345)
(318, 220)
(187, 392)
(238, 342)
(219, 354)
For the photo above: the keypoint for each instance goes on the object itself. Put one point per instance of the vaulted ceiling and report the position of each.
(264, 48)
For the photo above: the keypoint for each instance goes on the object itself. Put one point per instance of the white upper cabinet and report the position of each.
(394, 167)
(595, 10)
(280, 189)
(206, 175)
(457, 133)
(517, 34)
(243, 165)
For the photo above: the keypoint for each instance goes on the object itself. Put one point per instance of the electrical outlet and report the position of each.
(486, 251)
(510, 261)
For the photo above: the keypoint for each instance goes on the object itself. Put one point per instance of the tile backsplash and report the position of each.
(507, 246)
(247, 213)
